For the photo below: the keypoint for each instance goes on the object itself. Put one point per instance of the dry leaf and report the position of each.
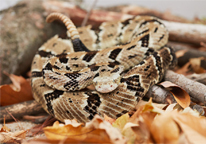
(149, 124)
(17, 92)
(180, 95)
(172, 107)
(10, 137)
(151, 107)
(89, 133)
(193, 127)
(121, 121)
(185, 70)
(5, 128)
(164, 129)
(137, 129)
(191, 111)
(73, 122)
(109, 119)
(129, 133)
(197, 66)
(180, 53)
(99, 123)
(60, 131)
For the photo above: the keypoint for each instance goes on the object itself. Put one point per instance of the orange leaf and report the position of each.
(196, 64)
(17, 92)
(97, 130)
(109, 119)
(180, 95)
(180, 53)
(193, 127)
(164, 129)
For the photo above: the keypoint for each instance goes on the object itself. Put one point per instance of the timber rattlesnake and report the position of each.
(132, 53)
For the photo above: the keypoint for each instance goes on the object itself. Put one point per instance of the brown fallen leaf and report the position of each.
(18, 91)
(180, 53)
(149, 124)
(198, 64)
(109, 119)
(193, 127)
(194, 65)
(185, 70)
(136, 130)
(97, 130)
(121, 121)
(5, 128)
(12, 137)
(164, 129)
(180, 95)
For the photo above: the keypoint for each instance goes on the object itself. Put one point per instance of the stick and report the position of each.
(198, 77)
(196, 90)
(89, 13)
(20, 109)
(160, 95)
(189, 33)
(177, 46)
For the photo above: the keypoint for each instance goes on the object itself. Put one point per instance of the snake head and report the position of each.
(108, 80)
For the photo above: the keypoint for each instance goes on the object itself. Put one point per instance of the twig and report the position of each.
(20, 126)
(89, 13)
(190, 33)
(177, 46)
(196, 90)
(160, 95)
(198, 77)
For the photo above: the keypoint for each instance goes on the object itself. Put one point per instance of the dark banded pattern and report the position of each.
(61, 70)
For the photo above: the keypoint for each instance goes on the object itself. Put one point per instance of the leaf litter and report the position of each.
(149, 124)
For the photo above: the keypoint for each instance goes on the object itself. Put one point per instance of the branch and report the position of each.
(196, 90)
(198, 77)
(160, 95)
(189, 33)
(20, 109)
(177, 46)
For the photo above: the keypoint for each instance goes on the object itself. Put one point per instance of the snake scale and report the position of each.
(122, 59)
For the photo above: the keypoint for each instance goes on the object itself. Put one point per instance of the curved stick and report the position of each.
(72, 30)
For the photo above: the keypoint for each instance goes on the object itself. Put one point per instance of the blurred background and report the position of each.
(186, 8)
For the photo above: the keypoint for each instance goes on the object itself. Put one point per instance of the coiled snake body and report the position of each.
(131, 57)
